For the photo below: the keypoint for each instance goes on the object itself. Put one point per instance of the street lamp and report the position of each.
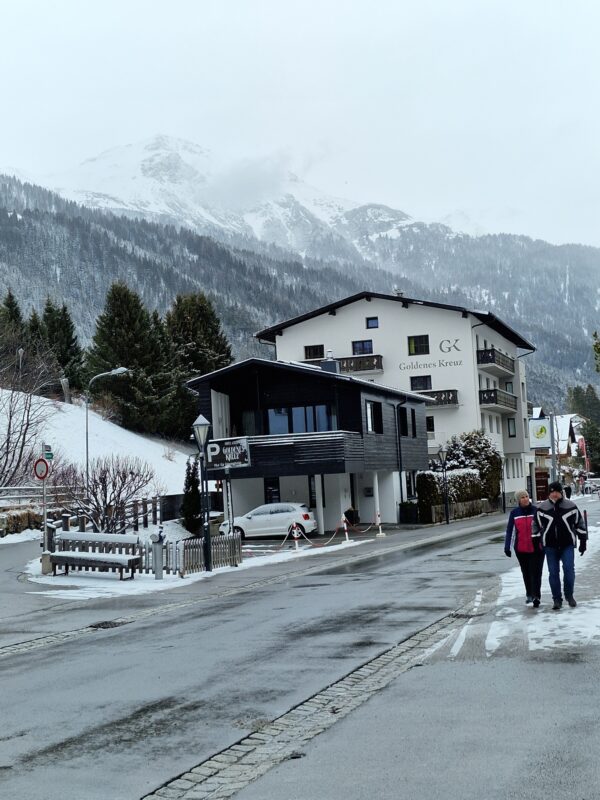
(111, 373)
(201, 427)
(443, 456)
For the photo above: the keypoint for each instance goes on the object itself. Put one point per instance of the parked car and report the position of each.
(273, 519)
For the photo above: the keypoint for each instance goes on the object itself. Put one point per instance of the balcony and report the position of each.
(366, 363)
(496, 363)
(302, 454)
(498, 400)
(443, 397)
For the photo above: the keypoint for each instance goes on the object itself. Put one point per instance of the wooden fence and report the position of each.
(187, 555)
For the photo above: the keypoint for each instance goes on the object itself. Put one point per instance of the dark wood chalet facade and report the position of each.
(301, 421)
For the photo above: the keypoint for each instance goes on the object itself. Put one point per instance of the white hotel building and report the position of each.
(468, 361)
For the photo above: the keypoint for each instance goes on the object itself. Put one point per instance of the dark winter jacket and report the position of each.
(520, 532)
(559, 524)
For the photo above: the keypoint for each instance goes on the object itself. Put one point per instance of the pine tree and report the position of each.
(61, 337)
(36, 330)
(196, 335)
(10, 313)
(128, 336)
(584, 402)
(191, 507)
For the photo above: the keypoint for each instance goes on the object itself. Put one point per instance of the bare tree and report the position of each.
(114, 482)
(25, 367)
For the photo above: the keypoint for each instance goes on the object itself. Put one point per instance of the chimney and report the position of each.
(330, 364)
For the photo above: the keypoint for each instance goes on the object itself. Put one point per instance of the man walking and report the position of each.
(560, 524)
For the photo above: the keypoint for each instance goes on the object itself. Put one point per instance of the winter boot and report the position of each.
(571, 601)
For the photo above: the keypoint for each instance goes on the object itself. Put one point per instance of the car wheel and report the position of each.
(240, 531)
(298, 527)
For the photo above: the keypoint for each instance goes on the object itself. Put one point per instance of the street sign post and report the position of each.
(41, 470)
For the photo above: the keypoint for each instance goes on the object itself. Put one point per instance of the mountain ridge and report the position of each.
(549, 293)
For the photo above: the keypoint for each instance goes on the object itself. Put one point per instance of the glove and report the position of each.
(507, 552)
(582, 546)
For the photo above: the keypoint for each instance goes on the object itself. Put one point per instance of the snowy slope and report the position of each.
(65, 431)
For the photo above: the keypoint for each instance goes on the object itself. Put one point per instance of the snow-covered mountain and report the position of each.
(176, 181)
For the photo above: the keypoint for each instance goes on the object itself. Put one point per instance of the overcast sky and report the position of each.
(431, 106)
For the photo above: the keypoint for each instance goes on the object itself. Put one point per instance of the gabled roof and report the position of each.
(494, 322)
(306, 369)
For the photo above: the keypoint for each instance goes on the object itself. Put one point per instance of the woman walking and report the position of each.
(527, 545)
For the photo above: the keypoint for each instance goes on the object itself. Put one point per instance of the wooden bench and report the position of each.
(101, 551)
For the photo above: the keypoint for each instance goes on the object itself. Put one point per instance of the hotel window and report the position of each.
(418, 345)
(420, 383)
(512, 427)
(374, 417)
(372, 322)
(525, 428)
(362, 347)
(314, 351)
(413, 423)
(430, 424)
(508, 387)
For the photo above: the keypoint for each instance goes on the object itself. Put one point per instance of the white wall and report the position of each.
(451, 362)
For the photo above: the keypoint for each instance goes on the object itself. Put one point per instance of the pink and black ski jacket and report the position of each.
(520, 534)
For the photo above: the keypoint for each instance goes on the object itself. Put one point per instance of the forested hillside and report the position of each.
(50, 246)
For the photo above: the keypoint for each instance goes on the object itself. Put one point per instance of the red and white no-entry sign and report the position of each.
(41, 468)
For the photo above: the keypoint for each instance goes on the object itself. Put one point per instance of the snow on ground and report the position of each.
(25, 536)
(91, 585)
(65, 431)
(544, 629)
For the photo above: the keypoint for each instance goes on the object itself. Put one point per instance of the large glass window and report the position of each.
(512, 427)
(300, 419)
(418, 345)
(279, 421)
(362, 347)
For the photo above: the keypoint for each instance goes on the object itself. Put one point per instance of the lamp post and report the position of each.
(201, 427)
(227, 471)
(111, 373)
(443, 455)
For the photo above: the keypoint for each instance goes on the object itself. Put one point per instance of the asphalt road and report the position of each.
(118, 712)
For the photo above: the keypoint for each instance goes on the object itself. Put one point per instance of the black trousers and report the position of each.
(532, 565)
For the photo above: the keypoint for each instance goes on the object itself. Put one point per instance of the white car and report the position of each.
(273, 519)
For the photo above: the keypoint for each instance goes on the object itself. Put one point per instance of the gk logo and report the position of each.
(447, 344)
